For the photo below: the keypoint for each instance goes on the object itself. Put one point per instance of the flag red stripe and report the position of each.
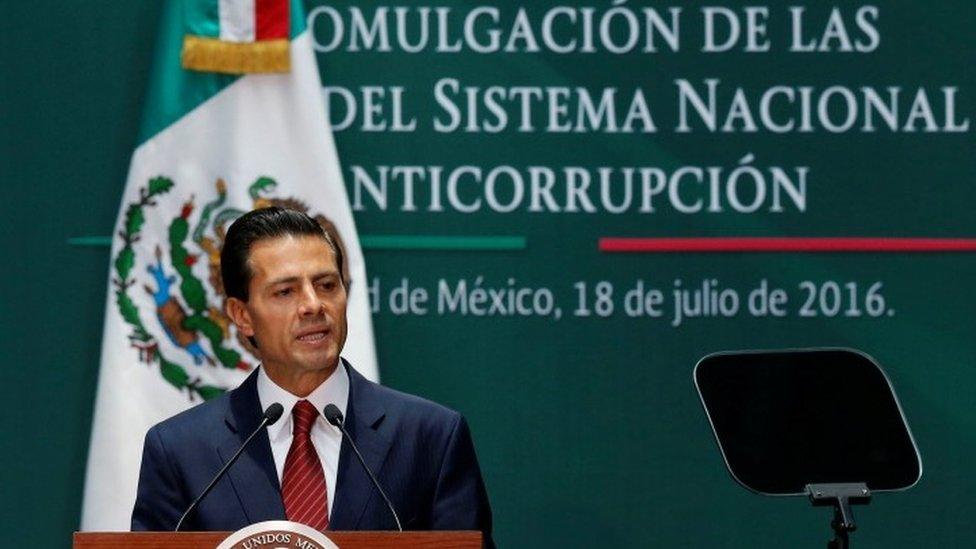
(785, 244)
(270, 19)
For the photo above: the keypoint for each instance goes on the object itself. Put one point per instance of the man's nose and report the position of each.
(310, 303)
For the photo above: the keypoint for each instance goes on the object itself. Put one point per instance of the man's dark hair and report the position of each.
(262, 224)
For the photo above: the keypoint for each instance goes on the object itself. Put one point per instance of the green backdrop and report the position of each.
(588, 428)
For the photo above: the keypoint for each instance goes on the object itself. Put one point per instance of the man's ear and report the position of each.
(236, 309)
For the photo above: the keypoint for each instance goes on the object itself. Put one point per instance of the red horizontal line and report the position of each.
(785, 244)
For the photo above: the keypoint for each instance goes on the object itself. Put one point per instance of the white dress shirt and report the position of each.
(326, 438)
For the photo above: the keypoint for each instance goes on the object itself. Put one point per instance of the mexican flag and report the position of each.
(234, 120)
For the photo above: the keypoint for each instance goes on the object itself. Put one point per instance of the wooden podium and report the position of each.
(209, 540)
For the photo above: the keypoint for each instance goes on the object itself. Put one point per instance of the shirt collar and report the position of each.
(334, 390)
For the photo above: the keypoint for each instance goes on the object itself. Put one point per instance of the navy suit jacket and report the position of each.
(421, 453)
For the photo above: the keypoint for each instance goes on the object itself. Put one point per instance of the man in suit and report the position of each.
(283, 276)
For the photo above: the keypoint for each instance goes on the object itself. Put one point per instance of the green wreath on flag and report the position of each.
(192, 289)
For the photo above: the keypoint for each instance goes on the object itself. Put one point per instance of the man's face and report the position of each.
(296, 307)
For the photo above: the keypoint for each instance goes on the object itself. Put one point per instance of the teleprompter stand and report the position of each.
(824, 423)
(841, 497)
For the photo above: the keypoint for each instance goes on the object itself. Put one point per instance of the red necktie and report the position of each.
(303, 482)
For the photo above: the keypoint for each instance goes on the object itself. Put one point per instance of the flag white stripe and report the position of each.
(237, 20)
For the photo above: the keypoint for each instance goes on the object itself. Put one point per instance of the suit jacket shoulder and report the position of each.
(197, 425)
(424, 457)
(402, 407)
(183, 454)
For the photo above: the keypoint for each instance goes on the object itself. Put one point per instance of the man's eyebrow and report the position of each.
(282, 280)
(292, 279)
(326, 274)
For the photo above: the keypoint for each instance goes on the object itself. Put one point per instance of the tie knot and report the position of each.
(305, 415)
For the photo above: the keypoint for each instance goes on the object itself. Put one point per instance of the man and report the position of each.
(283, 276)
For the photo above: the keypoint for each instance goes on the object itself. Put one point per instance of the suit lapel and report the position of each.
(254, 476)
(354, 490)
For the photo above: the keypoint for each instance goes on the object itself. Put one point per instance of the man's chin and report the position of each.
(325, 361)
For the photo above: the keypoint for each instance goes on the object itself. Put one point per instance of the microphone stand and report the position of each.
(334, 416)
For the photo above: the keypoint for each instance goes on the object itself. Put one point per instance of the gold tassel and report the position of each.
(212, 55)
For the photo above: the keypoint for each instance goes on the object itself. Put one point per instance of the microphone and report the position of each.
(270, 416)
(334, 416)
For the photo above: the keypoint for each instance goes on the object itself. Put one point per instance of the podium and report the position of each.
(209, 540)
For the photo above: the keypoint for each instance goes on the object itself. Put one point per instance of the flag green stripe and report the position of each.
(297, 20)
(202, 17)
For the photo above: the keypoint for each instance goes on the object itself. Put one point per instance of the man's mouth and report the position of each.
(313, 336)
